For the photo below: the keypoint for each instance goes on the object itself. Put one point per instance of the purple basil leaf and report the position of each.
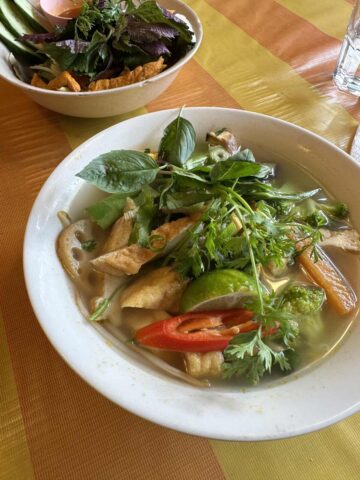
(156, 49)
(101, 4)
(172, 16)
(38, 37)
(74, 46)
(142, 32)
(104, 73)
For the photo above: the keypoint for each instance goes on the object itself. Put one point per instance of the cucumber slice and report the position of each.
(12, 20)
(33, 16)
(20, 51)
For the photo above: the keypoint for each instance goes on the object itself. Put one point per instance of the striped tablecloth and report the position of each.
(273, 57)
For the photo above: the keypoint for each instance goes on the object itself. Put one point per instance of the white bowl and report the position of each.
(107, 103)
(304, 402)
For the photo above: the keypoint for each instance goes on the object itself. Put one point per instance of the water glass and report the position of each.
(347, 72)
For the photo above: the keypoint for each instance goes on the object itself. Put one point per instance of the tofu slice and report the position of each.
(160, 289)
(348, 240)
(120, 233)
(130, 259)
(204, 364)
(107, 284)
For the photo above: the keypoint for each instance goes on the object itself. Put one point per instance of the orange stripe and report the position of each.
(193, 87)
(311, 53)
(72, 431)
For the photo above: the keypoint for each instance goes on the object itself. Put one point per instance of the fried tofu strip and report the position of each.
(37, 81)
(65, 79)
(118, 238)
(204, 364)
(338, 292)
(130, 259)
(128, 77)
(160, 289)
(122, 228)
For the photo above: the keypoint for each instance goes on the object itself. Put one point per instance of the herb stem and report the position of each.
(252, 259)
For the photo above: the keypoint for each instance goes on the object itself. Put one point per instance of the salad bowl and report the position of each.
(116, 101)
(296, 404)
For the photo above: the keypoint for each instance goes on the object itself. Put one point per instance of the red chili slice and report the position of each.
(198, 331)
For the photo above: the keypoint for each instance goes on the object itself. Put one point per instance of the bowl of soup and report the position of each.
(211, 284)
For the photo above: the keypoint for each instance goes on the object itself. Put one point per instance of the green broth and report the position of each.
(311, 348)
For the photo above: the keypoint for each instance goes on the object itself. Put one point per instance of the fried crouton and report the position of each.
(64, 79)
(37, 81)
(128, 77)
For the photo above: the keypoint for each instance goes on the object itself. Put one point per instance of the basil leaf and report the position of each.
(143, 223)
(106, 211)
(264, 191)
(178, 142)
(186, 179)
(232, 169)
(150, 12)
(186, 202)
(120, 171)
(243, 156)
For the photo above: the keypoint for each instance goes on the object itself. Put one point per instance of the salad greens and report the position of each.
(109, 36)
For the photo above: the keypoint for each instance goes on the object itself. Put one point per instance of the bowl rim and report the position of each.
(153, 415)
(173, 69)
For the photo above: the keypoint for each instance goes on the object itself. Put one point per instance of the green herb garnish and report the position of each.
(88, 245)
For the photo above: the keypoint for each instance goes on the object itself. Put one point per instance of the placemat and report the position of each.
(273, 57)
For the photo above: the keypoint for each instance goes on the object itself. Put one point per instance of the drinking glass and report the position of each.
(347, 72)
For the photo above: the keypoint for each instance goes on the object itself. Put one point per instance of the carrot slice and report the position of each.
(338, 292)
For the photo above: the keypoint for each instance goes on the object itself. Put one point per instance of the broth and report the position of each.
(311, 348)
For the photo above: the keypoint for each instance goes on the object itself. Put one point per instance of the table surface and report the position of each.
(273, 57)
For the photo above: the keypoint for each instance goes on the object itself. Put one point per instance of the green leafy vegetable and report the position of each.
(244, 156)
(317, 219)
(339, 210)
(178, 142)
(302, 300)
(266, 191)
(150, 12)
(110, 35)
(121, 171)
(101, 308)
(89, 245)
(247, 354)
(233, 169)
(106, 211)
(189, 201)
(143, 224)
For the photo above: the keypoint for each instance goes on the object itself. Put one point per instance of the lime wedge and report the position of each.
(218, 290)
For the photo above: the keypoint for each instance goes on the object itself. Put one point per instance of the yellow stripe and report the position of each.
(261, 82)
(77, 130)
(329, 16)
(15, 460)
(325, 455)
